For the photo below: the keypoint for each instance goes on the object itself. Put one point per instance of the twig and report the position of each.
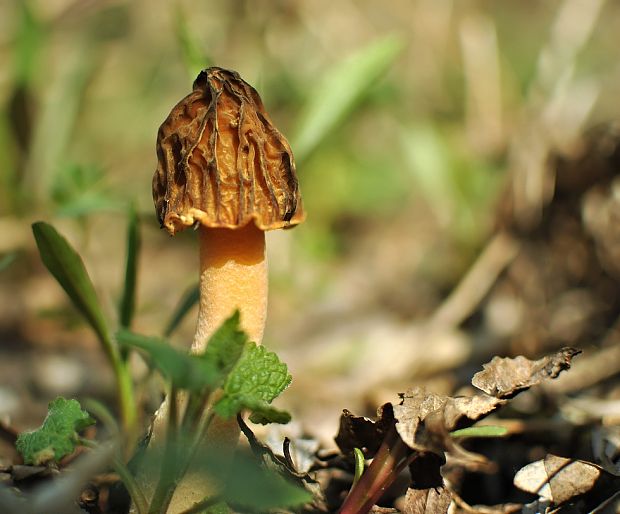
(592, 368)
(477, 282)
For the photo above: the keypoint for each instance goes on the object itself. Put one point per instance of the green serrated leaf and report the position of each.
(264, 414)
(65, 264)
(189, 299)
(128, 301)
(57, 436)
(191, 372)
(226, 345)
(341, 88)
(481, 431)
(257, 378)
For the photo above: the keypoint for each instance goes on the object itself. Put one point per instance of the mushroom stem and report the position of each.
(233, 275)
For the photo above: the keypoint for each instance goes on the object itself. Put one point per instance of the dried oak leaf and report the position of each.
(425, 419)
(505, 377)
(427, 501)
(364, 433)
(558, 479)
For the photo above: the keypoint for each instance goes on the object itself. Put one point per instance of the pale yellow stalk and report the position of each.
(233, 275)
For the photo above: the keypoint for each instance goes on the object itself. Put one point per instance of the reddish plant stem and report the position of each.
(393, 455)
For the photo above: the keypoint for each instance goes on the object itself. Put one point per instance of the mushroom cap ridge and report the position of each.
(222, 163)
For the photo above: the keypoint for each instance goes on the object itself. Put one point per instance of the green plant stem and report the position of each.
(170, 472)
(125, 390)
(126, 399)
(126, 477)
(203, 505)
(177, 457)
(200, 433)
(392, 456)
(134, 490)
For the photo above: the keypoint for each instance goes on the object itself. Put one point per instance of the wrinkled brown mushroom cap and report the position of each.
(222, 163)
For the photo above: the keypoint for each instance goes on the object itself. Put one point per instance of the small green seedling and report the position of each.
(58, 436)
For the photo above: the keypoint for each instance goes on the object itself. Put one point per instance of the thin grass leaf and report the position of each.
(482, 431)
(358, 456)
(189, 299)
(30, 42)
(79, 190)
(65, 264)
(7, 260)
(90, 203)
(103, 413)
(340, 89)
(194, 57)
(128, 300)
(185, 371)
(65, 91)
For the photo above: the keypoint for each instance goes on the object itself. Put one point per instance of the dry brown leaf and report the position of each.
(425, 471)
(362, 432)
(471, 408)
(606, 448)
(425, 419)
(558, 479)
(505, 377)
(410, 414)
(462, 507)
(427, 501)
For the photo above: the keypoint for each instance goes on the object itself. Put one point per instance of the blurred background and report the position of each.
(456, 161)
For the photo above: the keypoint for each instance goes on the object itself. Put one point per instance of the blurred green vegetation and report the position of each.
(399, 114)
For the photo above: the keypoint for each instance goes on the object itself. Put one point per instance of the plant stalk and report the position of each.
(125, 391)
(380, 475)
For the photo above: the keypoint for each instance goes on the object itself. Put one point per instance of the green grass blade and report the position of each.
(192, 51)
(7, 260)
(65, 264)
(65, 91)
(128, 300)
(341, 88)
(189, 299)
(359, 465)
(30, 42)
(185, 371)
(481, 431)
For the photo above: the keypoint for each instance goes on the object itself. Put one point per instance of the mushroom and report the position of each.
(225, 169)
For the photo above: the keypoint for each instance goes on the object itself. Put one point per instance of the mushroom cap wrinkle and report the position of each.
(221, 161)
